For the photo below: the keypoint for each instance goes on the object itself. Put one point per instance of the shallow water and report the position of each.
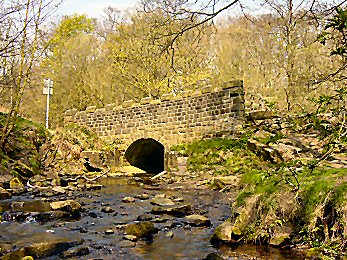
(186, 243)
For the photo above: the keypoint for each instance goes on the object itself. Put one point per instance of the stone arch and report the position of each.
(147, 154)
(143, 135)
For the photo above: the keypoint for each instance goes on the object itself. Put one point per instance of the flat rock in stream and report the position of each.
(180, 210)
(198, 221)
(161, 201)
(41, 250)
(53, 215)
(79, 251)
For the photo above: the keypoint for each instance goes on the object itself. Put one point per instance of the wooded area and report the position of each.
(291, 55)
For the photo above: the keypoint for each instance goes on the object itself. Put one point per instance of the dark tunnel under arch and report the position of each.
(146, 154)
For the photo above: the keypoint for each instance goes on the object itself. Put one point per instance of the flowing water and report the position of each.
(187, 242)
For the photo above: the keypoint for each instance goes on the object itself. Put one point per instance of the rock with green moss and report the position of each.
(279, 239)
(141, 229)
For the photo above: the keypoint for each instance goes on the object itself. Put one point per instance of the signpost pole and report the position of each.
(48, 90)
(47, 106)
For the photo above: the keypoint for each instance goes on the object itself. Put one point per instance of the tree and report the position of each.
(20, 27)
(72, 49)
(140, 64)
(335, 33)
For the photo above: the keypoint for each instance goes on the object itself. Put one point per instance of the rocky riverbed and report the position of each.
(120, 218)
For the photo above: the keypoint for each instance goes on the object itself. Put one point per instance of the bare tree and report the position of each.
(20, 22)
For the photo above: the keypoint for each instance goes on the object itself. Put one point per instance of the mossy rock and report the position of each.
(41, 250)
(141, 229)
(224, 234)
(15, 183)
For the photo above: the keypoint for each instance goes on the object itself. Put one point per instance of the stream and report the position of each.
(175, 239)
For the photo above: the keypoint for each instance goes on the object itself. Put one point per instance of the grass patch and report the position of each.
(222, 156)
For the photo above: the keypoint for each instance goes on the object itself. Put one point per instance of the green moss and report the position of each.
(339, 195)
(273, 139)
(240, 200)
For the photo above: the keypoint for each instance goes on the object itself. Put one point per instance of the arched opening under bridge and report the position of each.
(146, 154)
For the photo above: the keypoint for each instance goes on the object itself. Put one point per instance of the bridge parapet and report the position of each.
(170, 120)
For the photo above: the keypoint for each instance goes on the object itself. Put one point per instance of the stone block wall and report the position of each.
(170, 120)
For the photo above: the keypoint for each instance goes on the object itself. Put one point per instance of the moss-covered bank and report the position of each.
(21, 155)
(278, 204)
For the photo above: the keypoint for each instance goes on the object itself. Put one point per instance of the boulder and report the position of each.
(230, 232)
(180, 210)
(41, 250)
(70, 206)
(109, 232)
(4, 194)
(131, 238)
(142, 196)
(197, 221)
(107, 210)
(224, 234)
(141, 229)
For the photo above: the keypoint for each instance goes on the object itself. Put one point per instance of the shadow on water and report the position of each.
(185, 242)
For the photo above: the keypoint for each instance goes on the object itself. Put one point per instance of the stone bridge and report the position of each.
(147, 130)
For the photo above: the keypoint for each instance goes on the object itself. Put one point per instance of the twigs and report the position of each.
(73, 179)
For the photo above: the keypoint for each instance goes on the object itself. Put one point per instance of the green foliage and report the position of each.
(71, 26)
(112, 146)
(338, 24)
